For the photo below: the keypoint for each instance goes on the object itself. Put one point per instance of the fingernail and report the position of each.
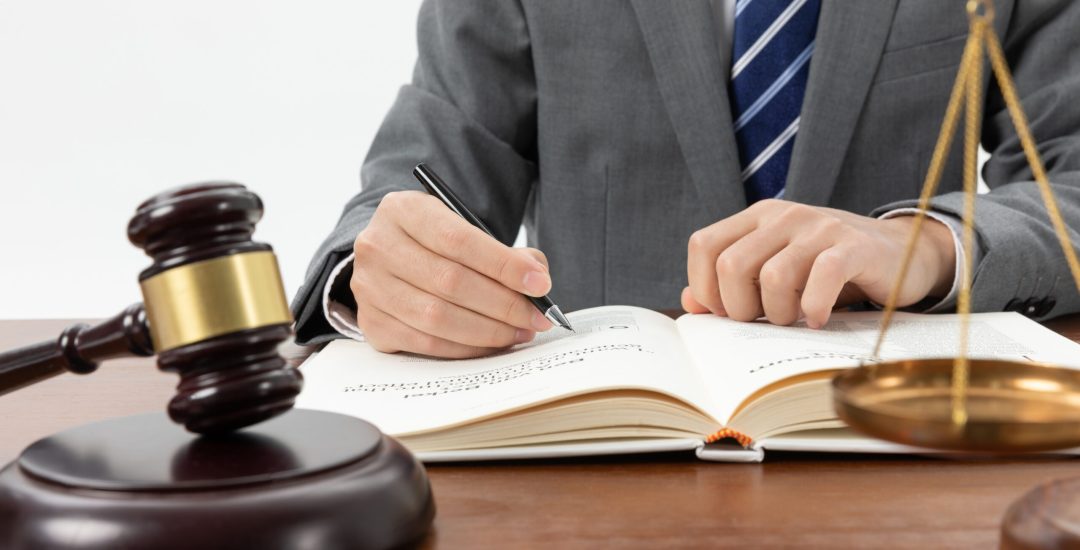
(522, 336)
(536, 282)
(539, 322)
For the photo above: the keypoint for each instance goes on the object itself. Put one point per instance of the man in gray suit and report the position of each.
(748, 158)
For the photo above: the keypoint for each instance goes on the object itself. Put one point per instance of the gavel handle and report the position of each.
(78, 349)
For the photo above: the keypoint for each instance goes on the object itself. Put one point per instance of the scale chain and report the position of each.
(967, 93)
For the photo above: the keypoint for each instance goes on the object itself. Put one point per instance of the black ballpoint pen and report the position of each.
(437, 187)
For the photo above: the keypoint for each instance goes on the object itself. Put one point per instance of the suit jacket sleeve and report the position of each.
(470, 112)
(1021, 255)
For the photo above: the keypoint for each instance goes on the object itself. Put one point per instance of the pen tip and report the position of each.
(556, 316)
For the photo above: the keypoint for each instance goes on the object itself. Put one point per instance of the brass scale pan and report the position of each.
(1012, 406)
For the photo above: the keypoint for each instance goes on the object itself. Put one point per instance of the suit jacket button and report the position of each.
(1045, 306)
(1031, 305)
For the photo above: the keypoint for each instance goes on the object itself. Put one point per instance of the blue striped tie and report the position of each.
(773, 42)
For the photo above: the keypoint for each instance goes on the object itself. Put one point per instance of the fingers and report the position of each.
(738, 271)
(425, 281)
(690, 305)
(785, 260)
(435, 316)
(831, 270)
(777, 258)
(464, 287)
(434, 226)
(388, 335)
(703, 249)
(782, 278)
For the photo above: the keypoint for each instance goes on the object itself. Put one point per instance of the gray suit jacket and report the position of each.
(604, 126)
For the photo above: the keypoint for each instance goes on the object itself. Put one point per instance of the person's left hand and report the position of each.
(787, 261)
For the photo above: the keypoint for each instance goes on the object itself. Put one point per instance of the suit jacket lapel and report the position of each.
(683, 45)
(848, 46)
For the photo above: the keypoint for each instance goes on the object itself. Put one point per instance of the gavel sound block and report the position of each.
(249, 472)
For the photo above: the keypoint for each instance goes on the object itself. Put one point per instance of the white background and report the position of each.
(104, 103)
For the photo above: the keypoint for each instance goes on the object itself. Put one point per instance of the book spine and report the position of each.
(728, 433)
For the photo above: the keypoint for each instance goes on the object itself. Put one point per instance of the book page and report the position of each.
(736, 359)
(614, 348)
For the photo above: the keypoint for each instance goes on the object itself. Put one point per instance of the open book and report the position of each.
(633, 380)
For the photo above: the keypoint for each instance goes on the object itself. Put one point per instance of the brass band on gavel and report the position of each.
(201, 300)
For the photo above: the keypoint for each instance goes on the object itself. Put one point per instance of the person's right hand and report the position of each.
(428, 282)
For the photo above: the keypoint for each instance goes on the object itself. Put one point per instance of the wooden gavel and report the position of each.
(213, 310)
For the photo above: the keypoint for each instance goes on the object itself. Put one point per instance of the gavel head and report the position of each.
(215, 306)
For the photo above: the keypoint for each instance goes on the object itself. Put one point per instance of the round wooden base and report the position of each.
(1048, 516)
(305, 479)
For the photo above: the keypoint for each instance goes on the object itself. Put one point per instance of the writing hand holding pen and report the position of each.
(436, 187)
(428, 282)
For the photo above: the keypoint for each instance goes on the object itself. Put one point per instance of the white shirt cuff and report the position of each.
(956, 228)
(340, 316)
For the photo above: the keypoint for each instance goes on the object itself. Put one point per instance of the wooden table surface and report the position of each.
(646, 501)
